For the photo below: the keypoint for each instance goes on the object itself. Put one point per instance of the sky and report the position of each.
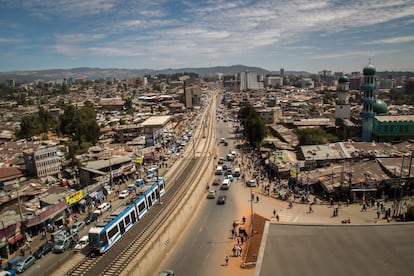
(309, 35)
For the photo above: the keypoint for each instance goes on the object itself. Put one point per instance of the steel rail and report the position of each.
(114, 261)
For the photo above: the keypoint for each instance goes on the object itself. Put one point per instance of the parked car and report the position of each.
(77, 226)
(83, 242)
(43, 250)
(221, 200)
(8, 273)
(211, 194)
(12, 263)
(91, 218)
(25, 263)
(123, 194)
(102, 208)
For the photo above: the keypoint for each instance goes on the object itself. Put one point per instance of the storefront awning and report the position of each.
(17, 237)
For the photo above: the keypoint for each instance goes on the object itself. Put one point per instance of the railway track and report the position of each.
(179, 186)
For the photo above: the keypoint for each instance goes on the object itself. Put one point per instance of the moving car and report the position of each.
(123, 194)
(211, 194)
(251, 183)
(131, 187)
(216, 182)
(43, 250)
(77, 226)
(66, 243)
(225, 185)
(83, 242)
(166, 273)
(25, 263)
(102, 208)
(221, 200)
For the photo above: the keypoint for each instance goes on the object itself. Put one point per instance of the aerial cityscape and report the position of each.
(190, 138)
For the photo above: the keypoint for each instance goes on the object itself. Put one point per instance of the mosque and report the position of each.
(374, 123)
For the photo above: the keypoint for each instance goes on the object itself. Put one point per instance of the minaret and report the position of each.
(343, 108)
(367, 114)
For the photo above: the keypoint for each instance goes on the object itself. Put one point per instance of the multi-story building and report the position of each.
(43, 161)
(274, 81)
(248, 80)
(153, 129)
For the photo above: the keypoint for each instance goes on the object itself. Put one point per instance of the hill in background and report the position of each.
(97, 73)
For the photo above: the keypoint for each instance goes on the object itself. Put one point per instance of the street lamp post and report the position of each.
(251, 211)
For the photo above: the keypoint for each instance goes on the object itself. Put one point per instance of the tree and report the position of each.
(254, 126)
(314, 136)
(80, 124)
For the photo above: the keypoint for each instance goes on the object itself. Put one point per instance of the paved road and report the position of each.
(206, 240)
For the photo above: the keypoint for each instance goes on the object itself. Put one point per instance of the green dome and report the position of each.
(369, 70)
(343, 79)
(380, 107)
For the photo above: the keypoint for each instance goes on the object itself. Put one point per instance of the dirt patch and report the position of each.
(254, 241)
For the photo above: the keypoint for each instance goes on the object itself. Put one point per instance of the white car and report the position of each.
(123, 194)
(83, 242)
(211, 194)
(102, 208)
(77, 226)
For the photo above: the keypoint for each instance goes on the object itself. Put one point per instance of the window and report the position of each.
(141, 207)
(127, 220)
(113, 232)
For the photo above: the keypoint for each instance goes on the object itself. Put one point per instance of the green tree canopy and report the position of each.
(254, 126)
(314, 136)
(80, 124)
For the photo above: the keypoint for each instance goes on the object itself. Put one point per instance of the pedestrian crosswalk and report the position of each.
(283, 217)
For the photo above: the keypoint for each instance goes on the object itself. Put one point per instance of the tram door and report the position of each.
(122, 227)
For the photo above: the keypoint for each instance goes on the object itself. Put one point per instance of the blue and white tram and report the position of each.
(107, 232)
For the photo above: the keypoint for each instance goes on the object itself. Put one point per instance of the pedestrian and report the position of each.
(364, 207)
(277, 218)
(238, 240)
(232, 233)
(244, 219)
(310, 208)
(234, 251)
(257, 199)
(227, 260)
(274, 212)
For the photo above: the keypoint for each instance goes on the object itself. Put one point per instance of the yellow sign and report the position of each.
(75, 197)
(139, 160)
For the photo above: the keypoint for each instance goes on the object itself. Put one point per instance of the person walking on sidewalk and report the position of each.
(226, 259)
(310, 208)
(274, 213)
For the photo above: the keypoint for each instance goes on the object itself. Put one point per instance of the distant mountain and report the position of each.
(96, 73)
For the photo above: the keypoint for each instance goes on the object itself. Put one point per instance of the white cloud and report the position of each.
(391, 40)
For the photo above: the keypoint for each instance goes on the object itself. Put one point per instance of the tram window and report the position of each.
(112, 232)
(127, 219)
